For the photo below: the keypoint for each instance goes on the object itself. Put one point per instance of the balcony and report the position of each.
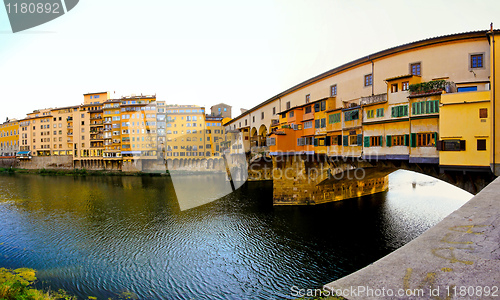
(96, 123)
(431, 88)
(380, 98)
(70, 133)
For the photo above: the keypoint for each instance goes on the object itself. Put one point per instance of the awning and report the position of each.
(23, 153)
(131, 152)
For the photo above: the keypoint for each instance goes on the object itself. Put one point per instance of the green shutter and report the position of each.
(380, 138)
(435, 138)
(413, 140)
(405, 110)
(413, 108)
(388, 140)
(346, 140)
(315, 142)
(360, 139)
(393, 112)
(367, 141)
(339, 140)
(328, 141)
(407, 140)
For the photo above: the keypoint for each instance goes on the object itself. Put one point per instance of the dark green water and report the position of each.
(101, 236)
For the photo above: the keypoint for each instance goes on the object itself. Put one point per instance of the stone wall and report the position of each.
(47, 162)
(8, 162)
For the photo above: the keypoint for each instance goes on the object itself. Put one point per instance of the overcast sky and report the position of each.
(206, 52)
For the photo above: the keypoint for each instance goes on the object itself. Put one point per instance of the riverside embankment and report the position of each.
(459, 258)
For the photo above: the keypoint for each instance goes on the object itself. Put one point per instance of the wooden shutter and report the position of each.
(462, 145)
(413, 140)
(346, 140)
(367, 141)
(380, 139)
(435, 138)
(407, 140)
(388, 140)
(328, 141)
(315, 142)
(439, 145)
(339, 140)
(360, 140)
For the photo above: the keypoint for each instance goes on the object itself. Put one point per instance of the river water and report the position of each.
(105, 236)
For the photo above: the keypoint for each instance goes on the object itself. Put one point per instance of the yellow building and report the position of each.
(214, 134)
(62, 131)
(185, 132)
(138, 127)
(464, 127)
(9, 138)
(41, 133)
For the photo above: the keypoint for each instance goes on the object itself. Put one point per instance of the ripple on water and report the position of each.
(127, 234)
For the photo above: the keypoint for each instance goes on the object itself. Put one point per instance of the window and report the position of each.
(375, 141)
(452, 145)
(415, 69)
(476, 61)
(483, 113)
(405, 85)
(316, 107)
(274, 111)
(394, 88)
(323, 105)
(308, 124)
(262, 115)
(351, 115)
(481, 145)
(291, 114)
(370, 114)
(380, 112)
(288, 105)
(333, 90)
(353, 140)
(334, 118)
(467, 89)
(323, 123)
(399, 140)
(425, 107)
(308, 109)
(368, 80)
(399, 111)
(253, 120)
(425, 139)
(308, 98)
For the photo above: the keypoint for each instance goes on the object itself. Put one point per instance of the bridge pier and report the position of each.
(310, 180)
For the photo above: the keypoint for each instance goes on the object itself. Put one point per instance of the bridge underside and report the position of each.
(315, 179)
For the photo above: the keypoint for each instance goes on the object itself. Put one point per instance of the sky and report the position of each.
(206, 52)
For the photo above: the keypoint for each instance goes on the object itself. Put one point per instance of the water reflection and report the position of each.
(104, 235)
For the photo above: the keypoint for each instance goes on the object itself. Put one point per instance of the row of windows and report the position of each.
(476, 61)
(425, 139)
(6, 133)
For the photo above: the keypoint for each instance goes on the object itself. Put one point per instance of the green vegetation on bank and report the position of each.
(15, 285)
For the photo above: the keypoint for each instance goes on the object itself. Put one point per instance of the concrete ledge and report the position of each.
(463, 250)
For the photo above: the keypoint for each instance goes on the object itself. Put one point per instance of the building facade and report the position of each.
(417, 103)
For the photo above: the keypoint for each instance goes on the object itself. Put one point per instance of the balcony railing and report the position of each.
(96, 123)
(380, 98)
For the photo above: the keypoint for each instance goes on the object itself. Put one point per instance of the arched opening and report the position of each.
(262, 135)
(254, 138)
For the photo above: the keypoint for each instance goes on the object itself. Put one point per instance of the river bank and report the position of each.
(84, 172)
